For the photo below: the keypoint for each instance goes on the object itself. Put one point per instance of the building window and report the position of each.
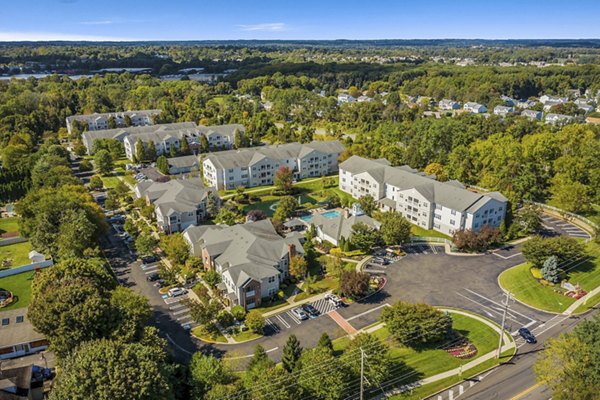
(436, 226)
(437, 216)
(271, 279)
(452, 222)
(5, 321)
(453, 212)
(20, 319)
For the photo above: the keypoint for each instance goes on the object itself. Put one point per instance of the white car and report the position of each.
(299, 313)
(333, 299)
(177, 291)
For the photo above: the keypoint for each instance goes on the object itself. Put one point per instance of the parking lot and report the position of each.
(288, 319)
(557, 226)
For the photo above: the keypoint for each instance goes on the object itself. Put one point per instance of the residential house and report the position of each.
(443, 206)
(251, 258)
(18, 338)
(363, 99)
(558, 119)
(333, 228)
(121, 119)
(475, 108)
(503, 111)
(508, 101)
(532, 114)
(448, 105)
(525, 104)
(178, 203)
(587, 108)
(545, 99)
(257, 166)
(345, 98)
(183, 164)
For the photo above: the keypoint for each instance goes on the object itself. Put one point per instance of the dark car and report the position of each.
(149, 259)
(527, 335)
(311, 310)
(153, 277)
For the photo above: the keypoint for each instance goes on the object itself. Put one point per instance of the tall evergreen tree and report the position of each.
(204, 146)
(291, 353)
(151, 151)
(184, 149)
(325, 342)
(140, 151)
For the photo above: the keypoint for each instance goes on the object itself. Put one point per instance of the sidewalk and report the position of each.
(581, 301)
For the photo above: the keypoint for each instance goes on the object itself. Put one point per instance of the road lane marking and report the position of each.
(368, 311)
(176, 345)
(498, 304)
(250, 355)
(526, 391)
(283, 321)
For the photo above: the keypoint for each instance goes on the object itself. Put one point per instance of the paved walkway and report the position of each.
(581, 301)
(345, 325)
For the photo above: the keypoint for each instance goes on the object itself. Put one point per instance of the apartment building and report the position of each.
(178, 204)
(257, 166)
(121, 119)
(443, 206)
(251, 258)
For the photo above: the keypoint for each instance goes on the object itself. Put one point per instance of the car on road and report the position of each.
(527, 335)
(311, 310)
(335, 300)
(177, 291)
(153, 277)
(299, 313)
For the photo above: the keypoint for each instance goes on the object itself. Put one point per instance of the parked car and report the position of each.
(311, 310)
(159, 283)
(153, 277)
(527, 335)
(335, 300)
(299, 313)
(177, 291)
(379, 261)
(149, 259)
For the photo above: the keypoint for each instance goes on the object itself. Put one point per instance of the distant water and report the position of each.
(40, 76)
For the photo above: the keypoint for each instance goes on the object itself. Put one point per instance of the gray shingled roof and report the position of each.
(178, 195)
(247, 250)
(223, 130)
(449, 194)
(142, 132)
(183, 161)
(246, 157)
(342, 226)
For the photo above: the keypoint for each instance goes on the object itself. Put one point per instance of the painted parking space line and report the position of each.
(283, 321)
(272, 325)
(182, 311)
(506, 257)
(171, 300)
(151, 271)
(368, 311)
(185, 317)
(293, 317)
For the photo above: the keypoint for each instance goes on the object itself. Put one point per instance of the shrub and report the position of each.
(238, 312)
(413, 324)
(536, 272)
(225, 319)
(354, 284)
(255, 321)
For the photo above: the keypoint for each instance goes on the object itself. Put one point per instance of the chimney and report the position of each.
(291, 250)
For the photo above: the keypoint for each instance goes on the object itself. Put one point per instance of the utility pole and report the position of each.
(502, 325)
(362, 372)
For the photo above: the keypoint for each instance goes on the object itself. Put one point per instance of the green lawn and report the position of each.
(267, 205)
(8, 225)
(430, 360)
(201, 333)
(109, 181)
(591, 303)
(20, 286)
(245, 336)
(18, 253)
(525, 288)
(418, 231)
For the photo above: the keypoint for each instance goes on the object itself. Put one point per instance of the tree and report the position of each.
(132, 312)
(85, 166)
(368, 204)
(570, 195)
(395, 229)
(550, 270)
(238, 139)
(537, 250)
(212, 205)
(255, 321)
(146, 243)
(286, 208)
(96, 183)
(414, 324)
(206, 371)
(76, 233)
(291, 353)
(131, 228)
(284, 179)
(71, 303)
(111, 202)
(227, 217)
(298, 267)
(469, 240)
(377, 368)
(529, 219)
(331, 385)
(162, 164)
(334, 265)
(436, 169)
(172, 150)
(325, 343)
(175, 247)
(212, 278)
(256, 215)
(363, 237)
(185, 149)
(103, 162)
(238, 312)
(140, 151)
(137, 371)
(570, 364)
(150, 153)
(354, 284)
(259, 359)
(204, 146)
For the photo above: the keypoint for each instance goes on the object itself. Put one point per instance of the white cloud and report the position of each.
(100, 22)
(270, 27)
(52, 36)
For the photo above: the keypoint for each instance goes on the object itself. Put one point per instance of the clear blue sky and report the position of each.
(297, 19)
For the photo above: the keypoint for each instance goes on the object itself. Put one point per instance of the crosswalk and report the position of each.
(287, 319)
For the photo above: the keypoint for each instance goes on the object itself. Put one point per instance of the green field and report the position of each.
(18, 254)
(109, 181)
(418, 231)
(527, 289)
(8, 225)
(429, 361)
(20, 286)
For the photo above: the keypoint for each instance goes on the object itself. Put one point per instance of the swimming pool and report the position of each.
(331, 214)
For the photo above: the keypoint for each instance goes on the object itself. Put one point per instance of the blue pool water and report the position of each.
(331, 214)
